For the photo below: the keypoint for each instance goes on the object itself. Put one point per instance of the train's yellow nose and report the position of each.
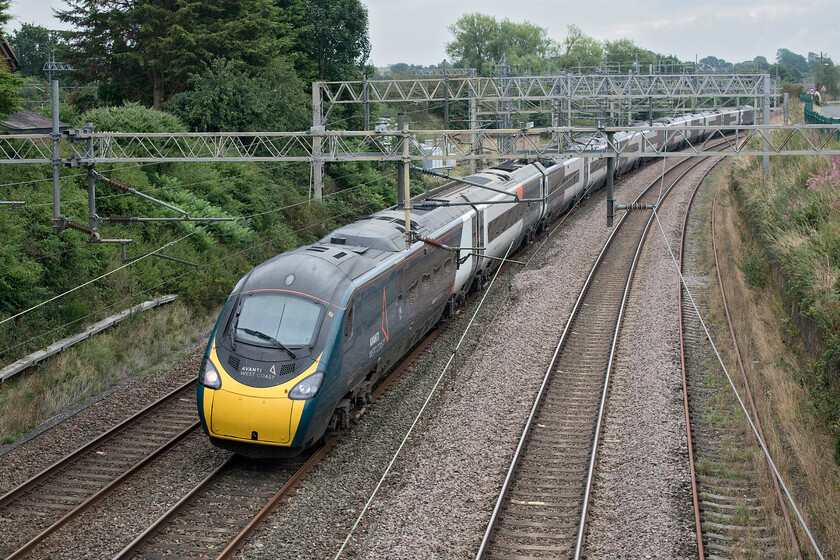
(251, 418)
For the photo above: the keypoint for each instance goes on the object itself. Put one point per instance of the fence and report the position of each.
(812, 117)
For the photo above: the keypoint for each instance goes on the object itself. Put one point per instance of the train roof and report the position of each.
(384, 231)
(320, 270)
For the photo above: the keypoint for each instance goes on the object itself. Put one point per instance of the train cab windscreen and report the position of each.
(276, 320)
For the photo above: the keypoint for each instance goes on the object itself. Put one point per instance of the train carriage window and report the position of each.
(447, 266)
(348, 323)
(412, 293)
(436, 272)
(426, 282)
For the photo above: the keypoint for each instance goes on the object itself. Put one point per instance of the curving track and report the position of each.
(731, 519)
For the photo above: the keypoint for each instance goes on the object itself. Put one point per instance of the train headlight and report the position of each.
(307, 388)
(208, 376)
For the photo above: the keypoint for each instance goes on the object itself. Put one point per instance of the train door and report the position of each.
(478, 230)
(400, 295)
(349, 336)
(479, 236)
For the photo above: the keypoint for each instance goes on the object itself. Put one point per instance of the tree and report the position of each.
(33, 44)
(580, 50)
(625, 52)
(334, 40)
(784, 57)
(227, 98)
(713, 63)
(476, 43)
(146, 49)
(5, 16)
(481, 41)
(828, 75)
(787, 74)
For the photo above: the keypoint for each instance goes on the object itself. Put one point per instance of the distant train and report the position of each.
(304, 337)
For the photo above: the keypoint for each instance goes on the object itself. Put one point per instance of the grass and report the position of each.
(784, 225)
(136, 347)
(742, 515)
(755, 270)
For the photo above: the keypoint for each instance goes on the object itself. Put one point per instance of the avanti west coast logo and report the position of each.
(252, 371)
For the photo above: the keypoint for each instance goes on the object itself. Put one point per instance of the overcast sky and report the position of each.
(416, 31)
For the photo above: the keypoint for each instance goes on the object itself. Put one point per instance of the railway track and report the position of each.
(68, 488)
(732, 521)
(542, 508)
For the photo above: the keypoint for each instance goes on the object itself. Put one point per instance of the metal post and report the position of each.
(400, 169)
(766, 161)
(473, 126)
(787, 109)
(91, 182)
(650, 110)
(58, 221)
(445, 97)
(610, 173)
(317, 125)
(402, 178)
(569, 98)
(367, 101)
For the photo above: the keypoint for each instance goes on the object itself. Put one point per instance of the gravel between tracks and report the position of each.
(641, 502)
(437, 499)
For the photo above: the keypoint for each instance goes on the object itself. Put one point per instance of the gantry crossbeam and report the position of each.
(337, 146)
(533, 88)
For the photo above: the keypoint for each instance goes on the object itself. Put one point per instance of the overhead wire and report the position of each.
(247, 216)
(100, 277)
(63, 177)
(254, 246)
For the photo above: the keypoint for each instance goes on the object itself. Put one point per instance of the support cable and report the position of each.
(737, 395)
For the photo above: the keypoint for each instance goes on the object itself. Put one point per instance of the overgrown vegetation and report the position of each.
(270, 204)
(137, 347)
(796, 214)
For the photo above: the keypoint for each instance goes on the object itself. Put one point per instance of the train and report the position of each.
(304, 337)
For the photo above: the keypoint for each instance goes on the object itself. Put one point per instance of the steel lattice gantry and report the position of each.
(85, 148)
(336, 146)
(601, 98)
(578, 92)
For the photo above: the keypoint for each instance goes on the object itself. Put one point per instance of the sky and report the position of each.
(416, 31)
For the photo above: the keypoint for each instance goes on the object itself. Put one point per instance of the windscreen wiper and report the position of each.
(269, 338)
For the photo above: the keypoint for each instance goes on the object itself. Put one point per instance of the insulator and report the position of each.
(434, 242)
(79, 227)
(119, 185)
(635, 206)
(119, 219)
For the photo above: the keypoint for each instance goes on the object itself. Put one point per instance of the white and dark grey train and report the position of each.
(304, 336)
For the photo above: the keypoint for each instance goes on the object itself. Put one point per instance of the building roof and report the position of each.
(9, 55)
(29, 122)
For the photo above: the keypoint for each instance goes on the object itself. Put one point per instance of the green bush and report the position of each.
(796, 213)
